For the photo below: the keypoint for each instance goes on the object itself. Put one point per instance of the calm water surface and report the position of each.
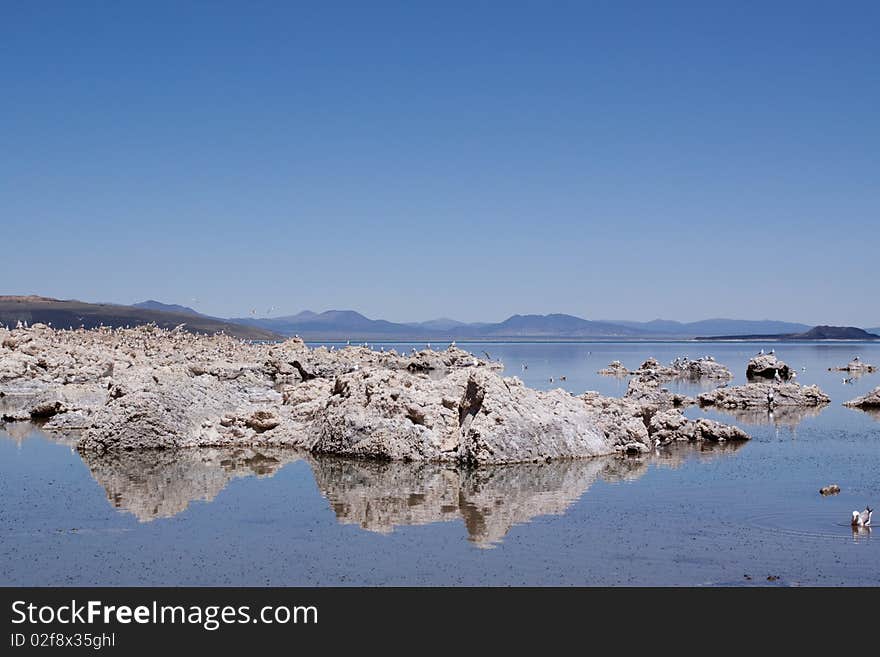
(684, 516)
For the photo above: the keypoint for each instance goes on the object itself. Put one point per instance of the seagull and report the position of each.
(772, 351)
(761, 353)
(776, 375)
(862, 518)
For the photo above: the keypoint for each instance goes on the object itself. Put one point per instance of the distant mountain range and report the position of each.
(65, 313)
(348, 324)
(343, 325)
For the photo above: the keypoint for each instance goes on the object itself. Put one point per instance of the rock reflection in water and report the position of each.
(380, 496)
(873, 412)
(22, 431)
(781, 416)
(161, 483)
(377, 496)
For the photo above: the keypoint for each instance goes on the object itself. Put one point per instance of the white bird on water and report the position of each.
(862, 518)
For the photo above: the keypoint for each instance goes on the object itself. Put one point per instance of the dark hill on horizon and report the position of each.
(334, 325)
(150, 304)
(65, 313)
(716, 326)
(815, 333)
(556, 326)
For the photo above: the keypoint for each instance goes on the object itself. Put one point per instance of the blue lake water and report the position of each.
(685, 516)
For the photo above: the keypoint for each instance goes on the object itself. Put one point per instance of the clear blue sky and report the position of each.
(413, 160)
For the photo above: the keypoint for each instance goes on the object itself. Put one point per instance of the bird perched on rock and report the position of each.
(862, 518)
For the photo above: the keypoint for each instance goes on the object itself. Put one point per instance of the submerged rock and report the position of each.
(616, 368)
(685, 368)
(855, 366)
(868, 401)
(680, 368)
(768, 366)
(764, 395)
